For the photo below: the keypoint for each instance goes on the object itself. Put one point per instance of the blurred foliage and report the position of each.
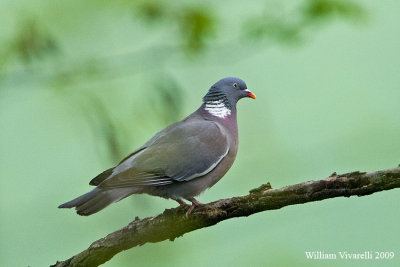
(32, 42)
(32, 50)
(196, 25)
(151, 10)
(310, 13)
(326, 8)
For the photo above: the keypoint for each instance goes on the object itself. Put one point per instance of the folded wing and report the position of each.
(181, 152)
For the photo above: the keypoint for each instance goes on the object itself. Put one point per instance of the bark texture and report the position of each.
(173, 223)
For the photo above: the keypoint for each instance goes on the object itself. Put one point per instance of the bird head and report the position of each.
(228, 91)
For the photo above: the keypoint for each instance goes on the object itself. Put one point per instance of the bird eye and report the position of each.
(235, 85)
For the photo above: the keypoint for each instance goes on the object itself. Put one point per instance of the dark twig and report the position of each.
(173, 223)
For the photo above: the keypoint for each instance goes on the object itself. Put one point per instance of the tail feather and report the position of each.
(96, 200)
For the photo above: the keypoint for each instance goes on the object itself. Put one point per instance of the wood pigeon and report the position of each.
(179, 162)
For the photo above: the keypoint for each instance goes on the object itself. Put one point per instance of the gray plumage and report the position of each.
(179, 162)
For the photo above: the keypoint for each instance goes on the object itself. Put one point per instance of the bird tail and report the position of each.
(96, 200)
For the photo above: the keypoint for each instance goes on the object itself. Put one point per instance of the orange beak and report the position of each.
(250, 94)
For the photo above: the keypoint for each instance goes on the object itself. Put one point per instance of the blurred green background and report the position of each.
(83, 84)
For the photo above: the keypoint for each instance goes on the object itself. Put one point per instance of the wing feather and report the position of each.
(182, 152)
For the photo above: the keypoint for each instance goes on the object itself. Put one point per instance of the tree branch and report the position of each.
(174, 223)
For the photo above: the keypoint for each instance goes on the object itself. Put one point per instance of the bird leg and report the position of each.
(182, 203)
(195, 203)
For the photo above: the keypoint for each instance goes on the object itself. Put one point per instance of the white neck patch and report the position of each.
(217, 108)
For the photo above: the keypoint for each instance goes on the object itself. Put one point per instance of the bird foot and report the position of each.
(195, 203)
(182, 204)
